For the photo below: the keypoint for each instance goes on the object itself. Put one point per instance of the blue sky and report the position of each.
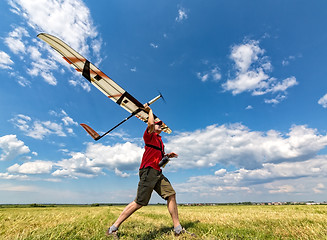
(244, 83)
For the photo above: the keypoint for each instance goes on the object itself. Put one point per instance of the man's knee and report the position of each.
(171, 197)
(137, 206)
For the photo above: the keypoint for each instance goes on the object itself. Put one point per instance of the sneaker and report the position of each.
(184, 232)
(113, 234)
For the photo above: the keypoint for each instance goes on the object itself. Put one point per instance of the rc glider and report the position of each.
(102, 82)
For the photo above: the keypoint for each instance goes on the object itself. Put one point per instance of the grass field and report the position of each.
(153, 222)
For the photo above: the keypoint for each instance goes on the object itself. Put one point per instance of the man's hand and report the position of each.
(172, 155)
(146, 107)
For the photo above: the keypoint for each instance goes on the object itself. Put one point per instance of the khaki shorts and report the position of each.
(151, 179)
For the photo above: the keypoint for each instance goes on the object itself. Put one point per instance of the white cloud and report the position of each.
(82, 83)
(282, 189)
(70, 20)
(323, 101)
(319, 188)
(42, 67)
(36, 167)
(5, 61)
(220, 172)
(236, 145)
(16, 188)
(121, 174)
(213, 74)
(11, 147)
(247, 81)
(39, 66)
(245, 55)
(67, 19)
(181, 15)
(20, 79)
(252, 73)
(14, 40)
(284, 85)
(79, 165)
(281, 178)
(49, 78)
(40, 129)
(275, 100)
(8, 176)
(154, 45)
(67, 120)
(126, 156)
(286, 61)
(202, 77)
(23, 81)
(34, 53)
(97, 157)
(231, 189)
(314, 167)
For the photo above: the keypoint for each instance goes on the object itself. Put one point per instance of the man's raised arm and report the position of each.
(151, 125)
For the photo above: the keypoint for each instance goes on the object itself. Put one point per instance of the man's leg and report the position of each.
(128, 211)
(172, 208)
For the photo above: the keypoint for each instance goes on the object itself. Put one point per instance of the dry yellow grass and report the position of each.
(153, 222)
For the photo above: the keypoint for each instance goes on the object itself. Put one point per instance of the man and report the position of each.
(151, 178)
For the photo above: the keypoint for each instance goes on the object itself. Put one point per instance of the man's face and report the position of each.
(157, 128)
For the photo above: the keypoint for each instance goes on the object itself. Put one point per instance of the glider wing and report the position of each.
(100, 80)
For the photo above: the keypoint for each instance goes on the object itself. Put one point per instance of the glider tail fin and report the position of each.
(90, 131)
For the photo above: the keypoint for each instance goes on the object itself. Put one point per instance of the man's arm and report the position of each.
(151, 125)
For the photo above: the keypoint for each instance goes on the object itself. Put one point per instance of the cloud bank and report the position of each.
(231, 145)
(236, 145)
(244, 163)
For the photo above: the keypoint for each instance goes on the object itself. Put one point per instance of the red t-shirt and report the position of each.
(152, 157)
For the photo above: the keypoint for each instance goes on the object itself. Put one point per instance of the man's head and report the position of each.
(157, 127)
